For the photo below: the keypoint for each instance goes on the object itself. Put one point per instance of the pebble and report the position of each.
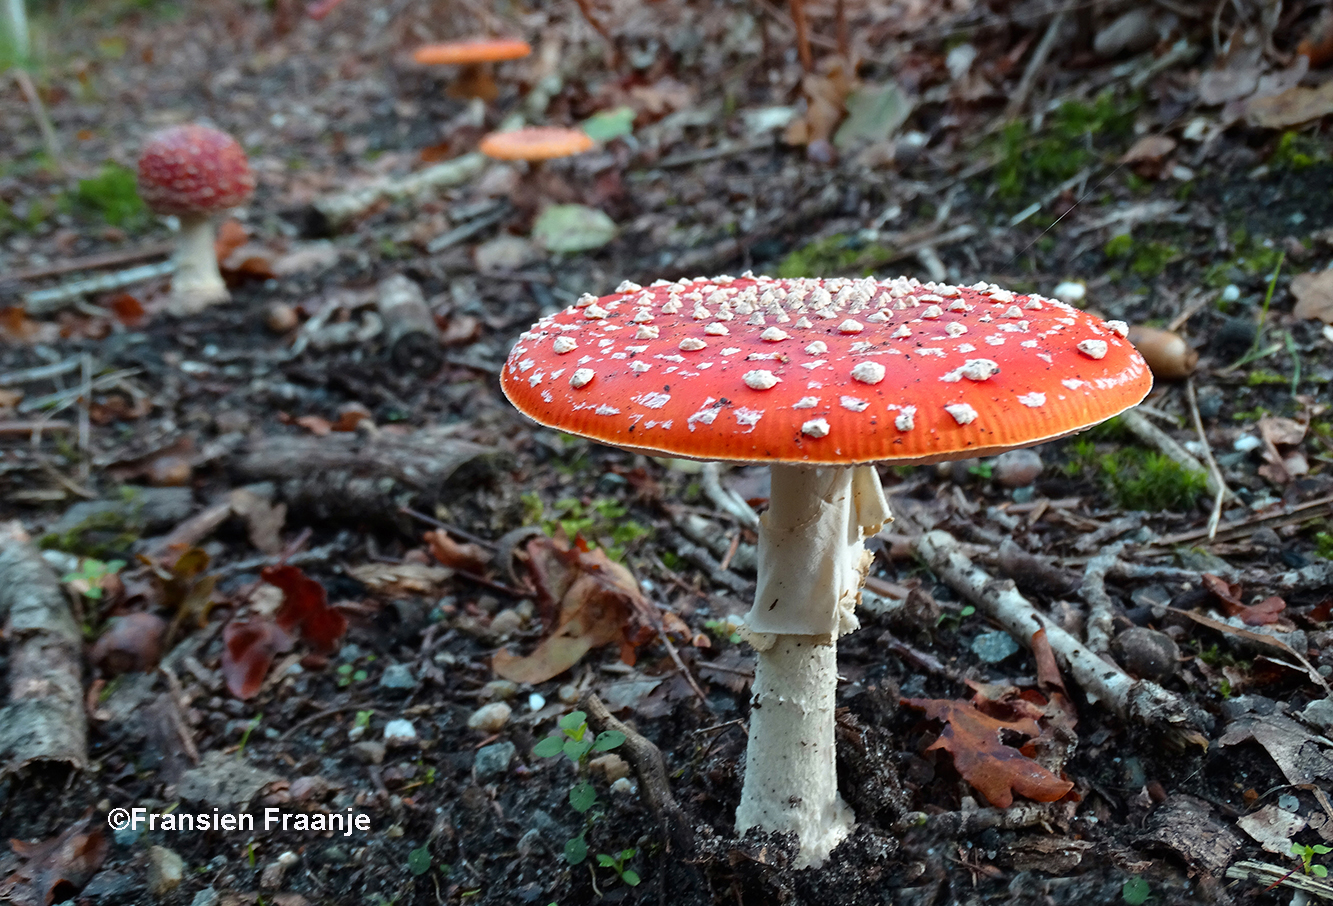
(623, 787)
(206, 897)
(369, 752)
(1017, 468)
(568, 693)
(1147, 653)
(1070, 292)
(993, 647)
(1246, 443)
(1129, 33)
(490, 718)
(281, 317)
(498, 690)
(398, 676)
(493, 761)
(506, 623)
(165, 871)
(399, 731)
(536, 701)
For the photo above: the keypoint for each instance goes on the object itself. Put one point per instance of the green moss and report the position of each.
(1298, 151)
(1323, 545)
(1067, 143)
(113, 195)
(838, 254)
(1259, 378)
(1144, 480)
(1146, 258)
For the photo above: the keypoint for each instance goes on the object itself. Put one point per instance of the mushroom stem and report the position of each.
(197, 283)
(811, 565)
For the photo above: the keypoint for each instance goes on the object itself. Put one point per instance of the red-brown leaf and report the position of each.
(996, 770)
(55, 869)
(305, 609)
(249, 647)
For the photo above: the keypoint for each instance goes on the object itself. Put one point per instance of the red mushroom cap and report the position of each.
(837, 371)
(193, 170)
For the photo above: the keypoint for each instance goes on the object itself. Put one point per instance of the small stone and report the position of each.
(506, 623)
(281, 317)
(568, 694)
(611, 766)
(993, 647)
(399, 732)
(369, 752)
(493, 761)
(1147, 653)
(206, 897)
(498, 690)
(398, 676)
(490, 718)
(1070, 292)
(1017, 468)
(623, 787)
(165, 871)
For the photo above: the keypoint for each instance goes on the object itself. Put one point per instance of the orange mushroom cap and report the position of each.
(837, 371)
(474, 50)
(535, 143)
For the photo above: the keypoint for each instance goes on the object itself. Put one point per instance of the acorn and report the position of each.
(1166, 352)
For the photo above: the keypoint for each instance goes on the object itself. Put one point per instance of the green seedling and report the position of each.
(87, 581)
(1135, 891)
(245, 736)
(723, 629)
(1307, 854)
(347, 674)
(418, 860)
(617, 864)
(576, 742)
(951, 622)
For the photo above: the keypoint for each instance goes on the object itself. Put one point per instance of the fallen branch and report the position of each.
(44, 301)
(725, 499)
(44, 724)
(1139, 700)
(646, 759)
(338, 209)
(1101, 609)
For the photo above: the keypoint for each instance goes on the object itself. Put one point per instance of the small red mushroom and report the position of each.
(817, 378)
(194, 172)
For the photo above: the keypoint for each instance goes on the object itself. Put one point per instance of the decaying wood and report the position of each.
(1031, 571)
(967, 823)
(1139, 700)
(410, 331)
(1101, 609)
(358, 477)
(43, 725)
(646, 759)
(1269, 876)
(701, 558)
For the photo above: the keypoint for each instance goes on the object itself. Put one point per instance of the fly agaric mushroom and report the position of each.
(535, 143)
(194, 172)
(817, 378)
(475, 55)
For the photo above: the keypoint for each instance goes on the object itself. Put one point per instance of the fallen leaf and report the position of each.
(55, 869)
(1049, 679)
(305, 608)
(874, 114)
(127, 309)
(1281, 431)
(1293, 107)
(1314, 295)
(231, 236)
(401, 580)
(996, 770)
(445, 549)
(249, 647)
(316, 425)
(263, 520)
(589, 600)
(1302, 756)
(1229, 594)
(1272, 828)
(1148, 155)
(572, 228)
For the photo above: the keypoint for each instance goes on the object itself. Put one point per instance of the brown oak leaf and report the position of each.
(996, 770)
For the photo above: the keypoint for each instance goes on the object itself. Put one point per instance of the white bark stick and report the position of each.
(1104, 682)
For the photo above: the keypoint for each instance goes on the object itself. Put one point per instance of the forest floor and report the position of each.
(1166, 164)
